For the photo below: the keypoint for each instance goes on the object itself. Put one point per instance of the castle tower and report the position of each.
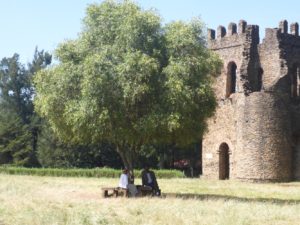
(254, 132)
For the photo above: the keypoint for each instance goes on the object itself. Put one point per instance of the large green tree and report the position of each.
(130, 81)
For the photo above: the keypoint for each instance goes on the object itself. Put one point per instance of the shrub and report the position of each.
(76, 172)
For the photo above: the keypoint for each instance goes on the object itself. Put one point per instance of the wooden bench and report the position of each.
(114, 192)
(119, 192)
(144, 190)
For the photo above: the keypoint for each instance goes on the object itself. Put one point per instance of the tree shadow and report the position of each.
(187, 196)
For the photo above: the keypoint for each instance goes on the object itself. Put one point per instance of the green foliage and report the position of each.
(129, 81)
(25, 138)
(56, 154)
(18, 122)
(188, 98)
(15, 87)
(98, 172)
(15, 139)
(167, 174)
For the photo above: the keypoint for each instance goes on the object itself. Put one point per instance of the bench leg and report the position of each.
(124, 193)
(105, 193)
(116, 193)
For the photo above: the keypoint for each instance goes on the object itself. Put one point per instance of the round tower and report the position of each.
(263, 147)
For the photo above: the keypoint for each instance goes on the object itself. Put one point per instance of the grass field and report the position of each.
(51, 200)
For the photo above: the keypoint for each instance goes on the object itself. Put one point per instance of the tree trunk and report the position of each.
(126, 156)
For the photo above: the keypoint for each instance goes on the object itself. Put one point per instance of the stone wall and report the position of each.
(221, 129)
(258, 134)
(270, 60)
(233, 47)
(263, 149)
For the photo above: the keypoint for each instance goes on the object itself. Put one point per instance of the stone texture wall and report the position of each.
(233, 47)
(258, 134)
(222, 129)
(260, 122)
(263, 150)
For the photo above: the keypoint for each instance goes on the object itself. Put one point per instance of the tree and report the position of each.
(129, 81)
(18, 121)
(41, 60)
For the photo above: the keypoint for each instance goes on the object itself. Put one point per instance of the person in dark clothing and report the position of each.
(149, 179)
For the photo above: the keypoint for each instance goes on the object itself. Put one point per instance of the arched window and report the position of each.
(295, 81)
(260, 79)
(231, 79)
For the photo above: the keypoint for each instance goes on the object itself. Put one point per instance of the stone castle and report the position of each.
(255, 132)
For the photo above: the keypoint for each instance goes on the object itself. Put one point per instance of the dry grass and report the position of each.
(49, 200)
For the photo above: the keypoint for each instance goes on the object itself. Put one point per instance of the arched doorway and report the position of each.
(224, 161)
(231, 79)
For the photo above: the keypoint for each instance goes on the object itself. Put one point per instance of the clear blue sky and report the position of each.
(29, 23)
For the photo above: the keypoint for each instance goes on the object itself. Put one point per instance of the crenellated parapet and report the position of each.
(283, 34)
(221, 32)
(234, 36)
(294, 29)
(283, 28)
(242, 26)
(279, 52)
(232, 29)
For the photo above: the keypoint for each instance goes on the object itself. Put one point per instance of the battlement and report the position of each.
(286, 37)
(242, 28)
(282, 31)
(232, 29)
(283, 28)
(234, 36)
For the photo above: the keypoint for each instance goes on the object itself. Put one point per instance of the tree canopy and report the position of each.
(129, 80)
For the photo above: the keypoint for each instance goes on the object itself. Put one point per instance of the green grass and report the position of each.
(97, 172)
(69, 200)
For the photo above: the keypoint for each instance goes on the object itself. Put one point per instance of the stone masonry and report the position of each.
(255, 132)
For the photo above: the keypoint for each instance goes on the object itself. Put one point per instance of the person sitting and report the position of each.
(149, 179)
(123, 182)
(126, 185)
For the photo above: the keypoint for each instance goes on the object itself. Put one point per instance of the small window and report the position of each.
(295, 92)
(260, 79)
(231, 79)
